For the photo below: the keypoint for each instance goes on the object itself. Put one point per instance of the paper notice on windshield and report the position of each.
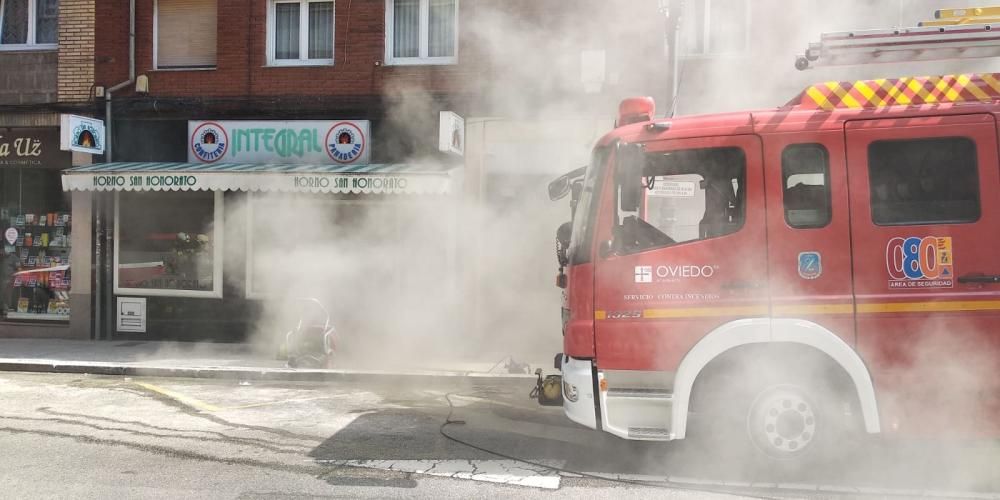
(673, 189)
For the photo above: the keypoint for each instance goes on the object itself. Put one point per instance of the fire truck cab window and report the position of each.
(693, 195)
(805, 173)
(924, 181)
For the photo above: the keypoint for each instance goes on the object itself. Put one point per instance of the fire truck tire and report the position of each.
(787, 421)
(790, 423)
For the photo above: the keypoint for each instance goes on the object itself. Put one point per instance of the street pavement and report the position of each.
(86, 436)
(232, 361)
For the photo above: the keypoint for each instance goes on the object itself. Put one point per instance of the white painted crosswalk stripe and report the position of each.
(491, 471)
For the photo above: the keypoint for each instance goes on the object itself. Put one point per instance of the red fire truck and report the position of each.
(795, 275)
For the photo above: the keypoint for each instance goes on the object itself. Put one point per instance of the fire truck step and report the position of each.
(639, 393)
(650, 433)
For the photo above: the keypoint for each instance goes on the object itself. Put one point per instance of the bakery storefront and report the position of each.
(263, 212)
(36, 220)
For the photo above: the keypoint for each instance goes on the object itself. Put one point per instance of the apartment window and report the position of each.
(29, 24)
(421, 31)
(300, 32)
(715, 27)
(185, 34)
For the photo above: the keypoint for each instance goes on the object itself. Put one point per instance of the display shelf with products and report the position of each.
(36, 271)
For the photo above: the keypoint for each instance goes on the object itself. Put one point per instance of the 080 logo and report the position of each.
(920, 262)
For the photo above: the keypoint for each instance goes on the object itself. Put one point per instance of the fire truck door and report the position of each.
(700, 259)
(808, 230)
(925, 228)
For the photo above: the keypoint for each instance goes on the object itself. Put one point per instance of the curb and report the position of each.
(262, 374)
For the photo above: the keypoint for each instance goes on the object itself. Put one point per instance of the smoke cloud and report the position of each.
(438, 281)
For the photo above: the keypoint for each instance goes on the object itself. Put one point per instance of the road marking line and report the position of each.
(476, 399)
(180, 398)
(270, 403)
(490, 471)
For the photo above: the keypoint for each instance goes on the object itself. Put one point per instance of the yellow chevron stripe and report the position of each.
(896, 94)
(842, 93)
(967, 84)
(817, 96)
(992, 82)
(917, 88)
(953, 91)
(865, 91)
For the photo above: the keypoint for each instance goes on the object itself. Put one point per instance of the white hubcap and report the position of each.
(781, 421)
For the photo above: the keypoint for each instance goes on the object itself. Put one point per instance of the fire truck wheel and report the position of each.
(784, 422)
(792, 422)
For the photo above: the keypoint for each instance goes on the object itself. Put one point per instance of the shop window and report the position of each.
(924, 181)
(368, 261)
(321, 240)
(28, 24)
(715, 27)
(692, 195)
(805, 173)
(421, 31)
(35, 219)
(185, 33)
(300, 32)
(169, 244)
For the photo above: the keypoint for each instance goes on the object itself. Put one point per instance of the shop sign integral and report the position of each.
(297, 142)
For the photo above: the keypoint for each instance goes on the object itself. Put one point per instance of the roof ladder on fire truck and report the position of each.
(954, 33)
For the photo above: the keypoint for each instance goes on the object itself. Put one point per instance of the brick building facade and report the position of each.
(536, 85)
(46, 68)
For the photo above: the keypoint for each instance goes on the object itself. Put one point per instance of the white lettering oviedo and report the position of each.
(685, 271)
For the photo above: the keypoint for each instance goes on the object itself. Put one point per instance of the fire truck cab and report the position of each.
(825, 268)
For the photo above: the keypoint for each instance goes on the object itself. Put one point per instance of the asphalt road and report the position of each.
(78, 436)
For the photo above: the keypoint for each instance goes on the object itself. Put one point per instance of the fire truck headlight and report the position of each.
(570, 392)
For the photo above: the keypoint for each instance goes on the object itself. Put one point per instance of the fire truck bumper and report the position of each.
(578, 391)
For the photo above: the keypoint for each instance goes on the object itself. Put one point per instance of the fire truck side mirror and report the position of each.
(559, 188)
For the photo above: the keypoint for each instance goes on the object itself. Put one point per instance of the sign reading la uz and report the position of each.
(304, 141)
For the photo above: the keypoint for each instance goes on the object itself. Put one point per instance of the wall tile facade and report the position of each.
(27, 77)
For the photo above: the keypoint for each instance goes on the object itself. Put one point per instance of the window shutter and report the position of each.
(186, 33)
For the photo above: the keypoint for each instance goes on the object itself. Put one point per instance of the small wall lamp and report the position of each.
(142, 84)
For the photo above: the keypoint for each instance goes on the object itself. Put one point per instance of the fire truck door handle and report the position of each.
(741, 285)
(979, 278)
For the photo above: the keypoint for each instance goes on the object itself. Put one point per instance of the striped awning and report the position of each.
(391, 178)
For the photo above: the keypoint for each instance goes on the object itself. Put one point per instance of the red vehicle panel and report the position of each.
(653, 305)
(931, 340)
(846, 242)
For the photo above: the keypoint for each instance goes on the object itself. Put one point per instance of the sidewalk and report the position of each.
(208, 360)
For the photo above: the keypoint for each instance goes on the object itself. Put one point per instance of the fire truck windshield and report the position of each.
(583, 228)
